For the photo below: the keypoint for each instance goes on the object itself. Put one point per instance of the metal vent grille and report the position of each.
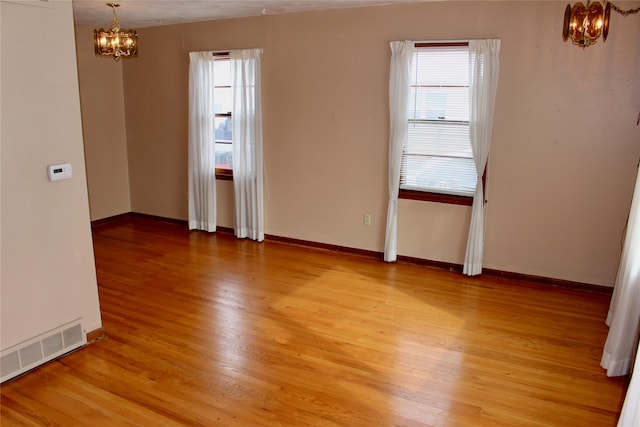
(34, 352)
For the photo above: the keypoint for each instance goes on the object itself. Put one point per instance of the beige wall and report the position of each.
(103, 128)
(225, 207)
(564, 152)
(47, 267)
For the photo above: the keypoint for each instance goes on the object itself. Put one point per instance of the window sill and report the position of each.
(224, 174)
(435, 197)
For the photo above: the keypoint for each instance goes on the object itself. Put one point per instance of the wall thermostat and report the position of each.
(58, 172)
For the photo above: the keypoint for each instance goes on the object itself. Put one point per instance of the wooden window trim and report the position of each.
(440, 44)
(224, 174)
(426, 196)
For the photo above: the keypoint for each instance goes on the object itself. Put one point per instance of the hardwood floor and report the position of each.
(204, 329)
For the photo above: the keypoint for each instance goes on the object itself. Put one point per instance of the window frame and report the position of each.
(222, 174)
(431, 196)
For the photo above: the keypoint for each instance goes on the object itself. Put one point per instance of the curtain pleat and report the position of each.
(247, 144)
(399, 89)
(484, 67)
(624, 309)
(201, 163)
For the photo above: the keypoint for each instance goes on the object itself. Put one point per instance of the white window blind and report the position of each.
(437, 155)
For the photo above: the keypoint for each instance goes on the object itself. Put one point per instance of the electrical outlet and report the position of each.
(367, 219)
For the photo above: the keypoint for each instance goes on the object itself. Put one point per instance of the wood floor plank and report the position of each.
(205, 329)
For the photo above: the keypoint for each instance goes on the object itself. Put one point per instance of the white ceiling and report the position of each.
(134, 14)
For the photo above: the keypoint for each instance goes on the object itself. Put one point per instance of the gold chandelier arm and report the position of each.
(622, 11)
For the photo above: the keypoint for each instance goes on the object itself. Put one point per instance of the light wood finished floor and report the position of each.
(208, 330)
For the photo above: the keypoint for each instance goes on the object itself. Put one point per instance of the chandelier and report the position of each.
(115, 42)
(584, 24)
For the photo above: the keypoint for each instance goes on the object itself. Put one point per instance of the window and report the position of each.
(222, 109)
(437, 159)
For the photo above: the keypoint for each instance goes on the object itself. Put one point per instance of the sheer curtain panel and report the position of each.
(630, 415)
(624, 310)
(247, 143)
(399, 88)
(202, 173)
(484, 66)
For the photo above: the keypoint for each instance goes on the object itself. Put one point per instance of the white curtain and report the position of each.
(624, 310)
(247, 143)
(630, 415)
(202, 173)
(399, 89)
(484, 66)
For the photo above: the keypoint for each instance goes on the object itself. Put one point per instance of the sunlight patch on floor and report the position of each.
(353, 336)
